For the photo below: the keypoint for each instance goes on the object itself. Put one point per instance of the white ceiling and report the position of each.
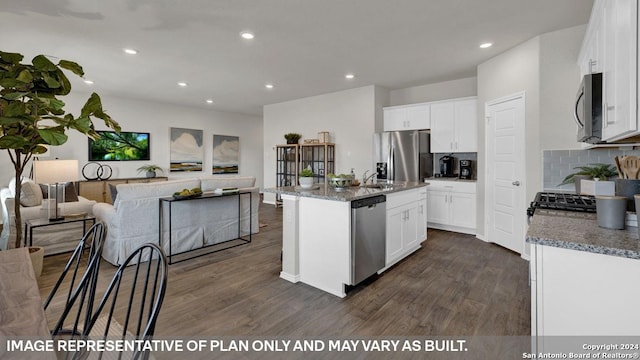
(303, 47)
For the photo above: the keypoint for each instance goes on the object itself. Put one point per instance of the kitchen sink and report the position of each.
(380, 186)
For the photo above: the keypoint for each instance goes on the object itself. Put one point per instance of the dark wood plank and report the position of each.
(455, 285)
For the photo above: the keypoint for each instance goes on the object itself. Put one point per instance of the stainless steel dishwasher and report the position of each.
(368, 237)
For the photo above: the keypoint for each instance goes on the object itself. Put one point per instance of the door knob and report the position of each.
(516, 183)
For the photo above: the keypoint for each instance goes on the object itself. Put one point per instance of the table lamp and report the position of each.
(54, 173)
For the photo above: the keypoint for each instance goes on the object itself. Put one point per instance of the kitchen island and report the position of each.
(316, 230)
(584, 279)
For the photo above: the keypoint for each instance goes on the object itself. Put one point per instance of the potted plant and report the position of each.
(31, 115)
(292, 138)
(592, 171)
(305, 177)
(150, 170)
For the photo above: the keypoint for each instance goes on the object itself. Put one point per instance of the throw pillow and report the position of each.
(114, 192)
(30, 195)
(70, 194)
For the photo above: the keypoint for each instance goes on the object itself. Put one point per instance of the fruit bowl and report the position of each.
(340, 182)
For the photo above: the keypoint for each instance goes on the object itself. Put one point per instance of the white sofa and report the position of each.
(54, 239)
(133, 219)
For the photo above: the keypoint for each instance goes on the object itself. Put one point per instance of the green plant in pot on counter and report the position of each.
(32, 115)
(594, 171)
(305, 177)
(150, 170)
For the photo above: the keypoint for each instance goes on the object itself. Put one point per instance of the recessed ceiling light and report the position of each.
(182, 84)
(209, 101)
(349, 76)
(486, 45)
(130, 51)
(247, 35)
(269, 86)
(87, 81)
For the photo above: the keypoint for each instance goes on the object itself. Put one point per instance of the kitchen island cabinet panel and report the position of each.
(583, 294)
(404, 224)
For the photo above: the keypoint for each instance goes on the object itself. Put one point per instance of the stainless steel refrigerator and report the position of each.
(403, 155)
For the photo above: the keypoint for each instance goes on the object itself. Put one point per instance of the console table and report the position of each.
(170, 201)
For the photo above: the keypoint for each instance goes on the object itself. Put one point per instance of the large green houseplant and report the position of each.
(32, 115)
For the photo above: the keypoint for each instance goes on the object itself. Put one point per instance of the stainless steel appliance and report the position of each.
(402, 155)
(588, 109)
(562, 201)
(446, 166)
(466, 169)
(368, 237)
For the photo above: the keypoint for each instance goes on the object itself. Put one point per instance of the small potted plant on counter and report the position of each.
(150, 170)
(597, 172)
(292, 138)
(305, 177)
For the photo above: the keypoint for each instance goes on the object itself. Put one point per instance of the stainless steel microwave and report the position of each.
(588, 109)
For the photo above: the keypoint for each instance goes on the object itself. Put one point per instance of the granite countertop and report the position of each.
(580, 231)
(328, 192)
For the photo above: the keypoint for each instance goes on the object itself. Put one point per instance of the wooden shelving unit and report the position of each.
(291, 158)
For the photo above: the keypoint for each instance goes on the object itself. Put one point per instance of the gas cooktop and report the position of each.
(563, 201)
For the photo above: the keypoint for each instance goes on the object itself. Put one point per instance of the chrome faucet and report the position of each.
(366, 178)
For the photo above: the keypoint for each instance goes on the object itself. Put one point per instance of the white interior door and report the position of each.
(504, 190)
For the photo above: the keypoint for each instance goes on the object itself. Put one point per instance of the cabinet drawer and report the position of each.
(401, 198)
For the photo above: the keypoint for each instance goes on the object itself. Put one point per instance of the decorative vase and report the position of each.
(37, 256)
(151, 174)
(306, 182)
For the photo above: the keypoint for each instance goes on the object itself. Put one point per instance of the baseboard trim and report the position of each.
(457, 229)
(481, 237)
(289, 277)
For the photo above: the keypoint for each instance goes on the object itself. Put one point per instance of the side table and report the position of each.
(31, 224)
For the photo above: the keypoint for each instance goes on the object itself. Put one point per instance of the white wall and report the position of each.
(545, 69)
(157, 118)
(560, 77)
(434, 92)
(349, 116)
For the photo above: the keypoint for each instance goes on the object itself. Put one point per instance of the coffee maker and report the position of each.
(466, 169)
(446, 166)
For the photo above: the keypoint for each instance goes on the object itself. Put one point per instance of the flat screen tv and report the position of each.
(123, 146)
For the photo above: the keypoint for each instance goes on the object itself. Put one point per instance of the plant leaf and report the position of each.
(71, 66)
(14, 95)
(41, 63)
(11, 58)
(13, 142)
(53, 136)
(25, 76)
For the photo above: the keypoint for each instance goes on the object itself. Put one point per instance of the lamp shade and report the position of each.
(55, 171)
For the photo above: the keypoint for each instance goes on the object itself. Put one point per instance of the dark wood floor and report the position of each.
(455, 285)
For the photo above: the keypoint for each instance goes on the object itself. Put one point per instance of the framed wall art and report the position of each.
(226, 151)
(186, 150)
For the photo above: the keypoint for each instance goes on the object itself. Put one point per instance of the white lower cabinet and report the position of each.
(406, 223)
(452, 206)
(580, 293)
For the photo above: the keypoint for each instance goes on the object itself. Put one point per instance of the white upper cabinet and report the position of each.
(610, 46)
(454, 126)
(407, 117)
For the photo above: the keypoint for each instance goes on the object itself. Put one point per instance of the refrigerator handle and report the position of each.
(392, 168)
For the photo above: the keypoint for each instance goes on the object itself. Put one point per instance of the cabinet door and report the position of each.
(466, 125)
(442, 127)
(410, 227)
(463, 209)
(422, 220)
(395, 119)
(419, 117)
(395, 222)
(619, 68)
(438, 206)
